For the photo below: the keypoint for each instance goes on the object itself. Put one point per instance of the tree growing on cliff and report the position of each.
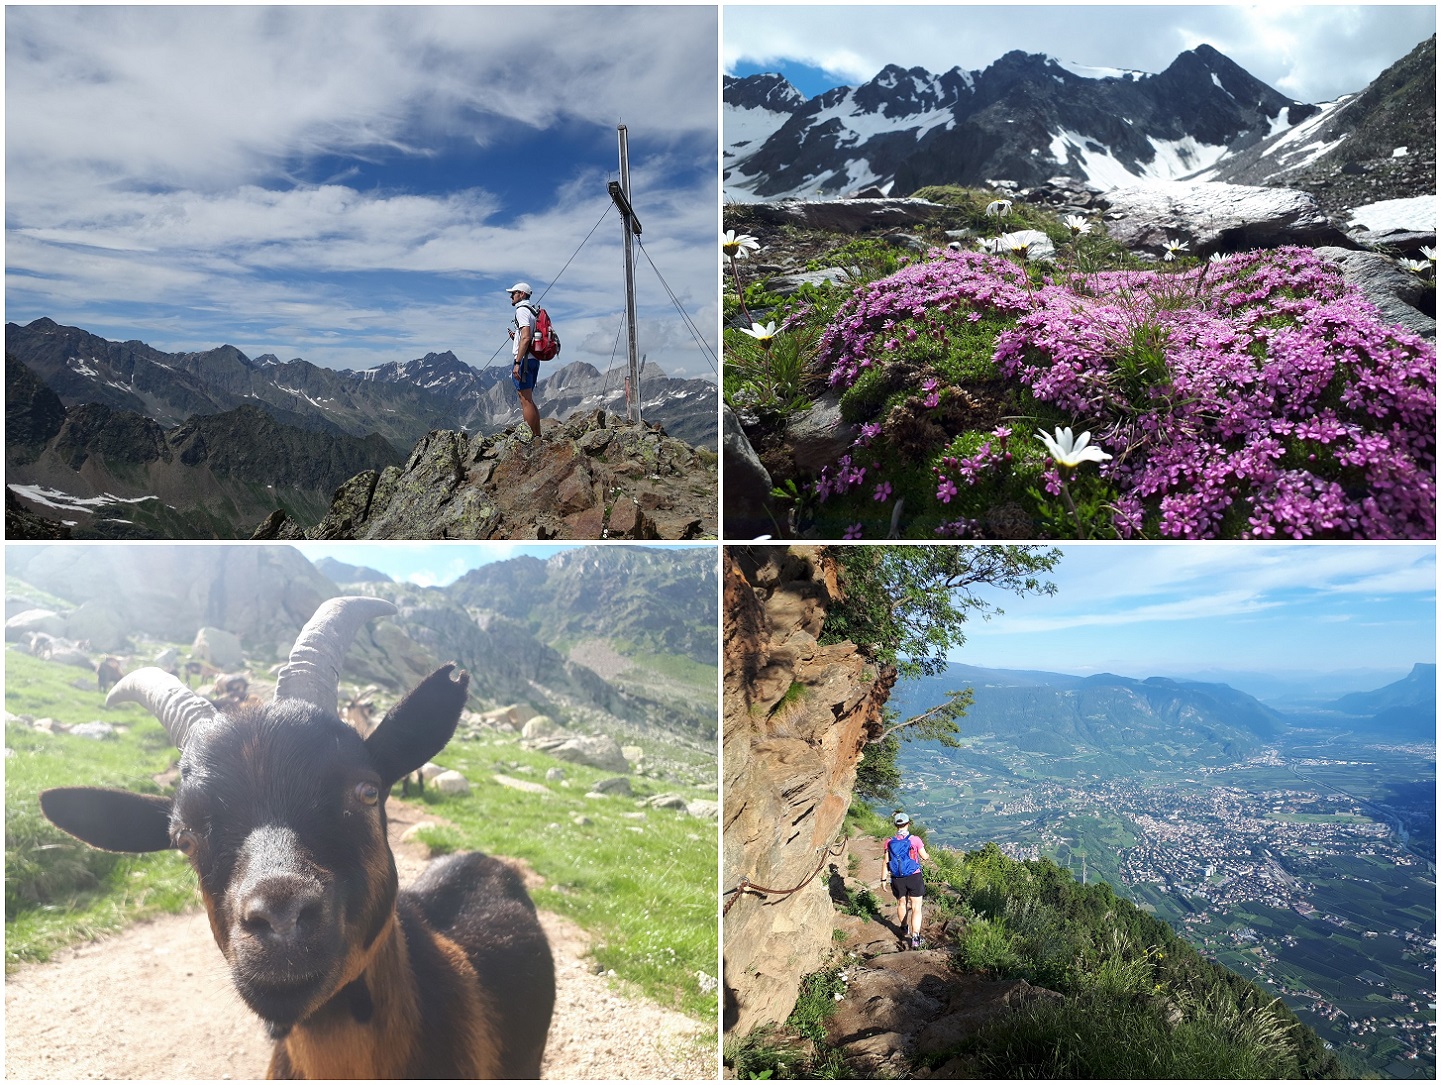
(905, 606)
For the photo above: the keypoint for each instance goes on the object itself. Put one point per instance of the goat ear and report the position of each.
(418, 728)
(108, 819)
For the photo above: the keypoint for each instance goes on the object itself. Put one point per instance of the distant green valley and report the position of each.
(1296, 850)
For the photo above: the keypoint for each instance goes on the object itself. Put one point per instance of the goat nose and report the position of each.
(281, 908)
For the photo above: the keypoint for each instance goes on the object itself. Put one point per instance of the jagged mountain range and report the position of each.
(106, 472)
(401, 401)
(1113, 724)
(1029, 117)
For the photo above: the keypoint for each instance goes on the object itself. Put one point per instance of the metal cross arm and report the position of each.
(618, 195)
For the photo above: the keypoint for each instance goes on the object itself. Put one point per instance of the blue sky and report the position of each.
(1310, 53)
(434, 564)
(1182, 609)
(358, 185)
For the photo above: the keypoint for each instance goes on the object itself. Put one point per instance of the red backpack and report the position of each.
(545, 341)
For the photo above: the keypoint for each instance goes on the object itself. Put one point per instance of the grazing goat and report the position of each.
(108, 673)
(280, 810)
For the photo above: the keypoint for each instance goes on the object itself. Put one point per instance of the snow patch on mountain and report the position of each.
(1417, 213)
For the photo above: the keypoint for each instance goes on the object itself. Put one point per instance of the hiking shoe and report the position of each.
(915, 941)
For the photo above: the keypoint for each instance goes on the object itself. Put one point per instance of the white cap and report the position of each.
(902, 819)
(523, 288)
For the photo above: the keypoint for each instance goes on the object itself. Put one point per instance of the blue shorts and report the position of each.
(529, 374)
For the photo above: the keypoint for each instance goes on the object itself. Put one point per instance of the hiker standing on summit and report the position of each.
(901, 870)
(526, 370)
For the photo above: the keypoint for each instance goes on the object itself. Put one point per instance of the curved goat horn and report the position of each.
(313, 673)
(169, 700)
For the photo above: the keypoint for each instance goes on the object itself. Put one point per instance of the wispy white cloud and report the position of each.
(1176, 607)
(211, 172)
(1312, 53)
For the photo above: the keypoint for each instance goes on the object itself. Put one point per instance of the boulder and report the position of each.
(666, 802)
(818, 437)
(96, 730)
(748, 483)
(540, 727)
(522, 785)
(634, 754)
(70, 656)
(1393, 290)
(789, 284)
(451, 783)
(1217, 217)
(102, 625)
(597, 751)
(218, 647)
(615, 785)
(34, 621)
(703, 808)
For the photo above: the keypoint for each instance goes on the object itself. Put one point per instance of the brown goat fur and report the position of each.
(281, 811)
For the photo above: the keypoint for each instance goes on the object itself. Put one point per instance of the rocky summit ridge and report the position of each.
(593, 476)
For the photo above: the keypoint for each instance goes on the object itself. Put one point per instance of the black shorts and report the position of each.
(912, 885)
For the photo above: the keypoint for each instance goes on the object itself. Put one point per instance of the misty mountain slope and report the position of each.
(1403, 710)
(655, 599)
(1101, 723)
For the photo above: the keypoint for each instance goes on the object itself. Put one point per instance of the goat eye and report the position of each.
(367, 793)
(187, 842)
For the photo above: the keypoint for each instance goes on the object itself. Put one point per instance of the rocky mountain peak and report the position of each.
(765, 90)
(594, 476)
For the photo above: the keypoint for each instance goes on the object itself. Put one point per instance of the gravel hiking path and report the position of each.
(155, 1002)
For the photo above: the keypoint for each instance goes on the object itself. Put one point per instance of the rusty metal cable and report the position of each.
(827, 851)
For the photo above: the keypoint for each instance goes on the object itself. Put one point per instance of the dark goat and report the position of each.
(108, 673)
(280, 809)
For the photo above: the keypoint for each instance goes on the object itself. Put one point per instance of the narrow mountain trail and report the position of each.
(901, 1004)
(155, 1002)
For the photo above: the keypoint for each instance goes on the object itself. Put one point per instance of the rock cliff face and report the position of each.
(797, 717)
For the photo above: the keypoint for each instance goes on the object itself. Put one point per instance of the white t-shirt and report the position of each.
(524, 318)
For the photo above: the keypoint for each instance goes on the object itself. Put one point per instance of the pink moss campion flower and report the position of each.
(852, 532)
(883, 492)
(946, 490)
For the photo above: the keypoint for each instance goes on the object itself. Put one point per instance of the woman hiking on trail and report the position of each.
(901, 869)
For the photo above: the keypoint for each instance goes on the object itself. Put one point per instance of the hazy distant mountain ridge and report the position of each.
(1124, 724)
(1404, 709)
(402, 401)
